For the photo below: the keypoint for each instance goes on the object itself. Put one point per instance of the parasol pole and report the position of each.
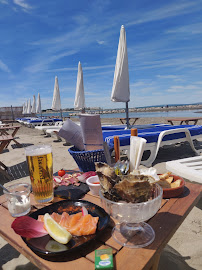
(127, 116)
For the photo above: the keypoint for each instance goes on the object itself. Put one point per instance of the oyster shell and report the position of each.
(130, 188)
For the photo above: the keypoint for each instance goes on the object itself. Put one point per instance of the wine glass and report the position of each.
(131, 230)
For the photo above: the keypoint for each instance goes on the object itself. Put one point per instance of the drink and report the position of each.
(18, 199)
(40, 164)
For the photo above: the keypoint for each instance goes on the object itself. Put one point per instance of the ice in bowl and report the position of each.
(131, 200)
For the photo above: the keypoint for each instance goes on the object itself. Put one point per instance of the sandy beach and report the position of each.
(182, 252)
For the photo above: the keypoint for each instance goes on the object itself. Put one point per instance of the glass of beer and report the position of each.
(40, 164)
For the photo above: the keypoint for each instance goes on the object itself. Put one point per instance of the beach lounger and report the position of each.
(56, 126)
(157, 136)
(189, 168)
(42, 122)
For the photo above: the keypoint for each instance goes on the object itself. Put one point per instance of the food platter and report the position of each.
(47, 247)
(71, 192)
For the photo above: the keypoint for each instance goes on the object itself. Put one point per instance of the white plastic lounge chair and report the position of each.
(189, 168)
(157, 137)
(41, 122)
(56, 126)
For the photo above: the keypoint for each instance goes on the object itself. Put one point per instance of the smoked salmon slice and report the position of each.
(76, 224)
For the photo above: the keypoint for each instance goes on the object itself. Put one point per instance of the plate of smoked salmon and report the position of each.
(84, 225)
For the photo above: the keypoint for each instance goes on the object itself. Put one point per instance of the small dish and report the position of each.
(94, 184)
(174, 192)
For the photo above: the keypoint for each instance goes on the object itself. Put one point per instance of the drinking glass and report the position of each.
(40, 164)
(18, 199)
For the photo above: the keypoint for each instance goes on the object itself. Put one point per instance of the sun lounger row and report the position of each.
(156, 136)
(32, 122)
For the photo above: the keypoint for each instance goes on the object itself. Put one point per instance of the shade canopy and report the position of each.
(23, 108)
(121, 89)
(34, 105)
(56, 104)
(29, 107)
(79, 102)
(38, 105)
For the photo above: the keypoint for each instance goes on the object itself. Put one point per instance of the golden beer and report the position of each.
(40, 164)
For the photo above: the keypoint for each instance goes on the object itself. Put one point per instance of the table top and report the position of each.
(9, 127)
(184, 118)
(165, 223)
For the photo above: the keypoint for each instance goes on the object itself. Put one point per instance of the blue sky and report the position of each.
(44, 39)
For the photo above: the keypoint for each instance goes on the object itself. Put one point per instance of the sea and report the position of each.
(178, 113)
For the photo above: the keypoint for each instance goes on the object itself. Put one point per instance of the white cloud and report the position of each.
(4, 67)
(22, 4)
(5, 2)
(165, 12)
(187, 29)
(100, 42)
(183, 88)
(44, 62)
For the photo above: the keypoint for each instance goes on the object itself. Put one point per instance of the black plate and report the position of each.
(71, 192)
(39, 245)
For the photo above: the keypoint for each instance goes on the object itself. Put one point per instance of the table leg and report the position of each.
(121, 121)
(169, 121)
(195, 121)
(135, 121)
(156, 262)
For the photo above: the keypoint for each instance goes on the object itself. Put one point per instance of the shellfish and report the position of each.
(129, 188)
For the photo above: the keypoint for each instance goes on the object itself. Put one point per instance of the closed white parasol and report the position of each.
(121, 88)
(79, 102)
(56, 104)
(33, 105)
(29, 107)
(38, 105)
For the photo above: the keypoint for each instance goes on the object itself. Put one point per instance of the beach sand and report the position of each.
(182, 252)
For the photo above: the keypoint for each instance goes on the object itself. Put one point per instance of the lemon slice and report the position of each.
(57, 232)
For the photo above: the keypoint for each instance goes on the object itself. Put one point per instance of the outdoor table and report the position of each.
(165, 223)
(124, 120)
(4, 131)
(184, 119)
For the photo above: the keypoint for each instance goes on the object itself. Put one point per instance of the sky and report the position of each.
(44, 39)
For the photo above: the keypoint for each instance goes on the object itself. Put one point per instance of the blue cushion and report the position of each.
(151, 135)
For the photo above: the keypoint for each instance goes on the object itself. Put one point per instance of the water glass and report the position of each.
(18, 198)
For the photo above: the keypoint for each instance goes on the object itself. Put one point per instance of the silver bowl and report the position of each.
(131, 230)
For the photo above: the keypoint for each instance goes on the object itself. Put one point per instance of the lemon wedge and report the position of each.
(57, 232)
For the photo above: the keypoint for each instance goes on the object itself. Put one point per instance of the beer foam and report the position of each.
(36, 150)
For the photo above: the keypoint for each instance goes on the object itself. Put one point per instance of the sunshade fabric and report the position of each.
(56, 104)
(29, 107)
(79, 102)
(23, 108)
(34, 105)
(38, 105)
(121, 88)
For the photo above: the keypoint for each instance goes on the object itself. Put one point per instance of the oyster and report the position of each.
(130, 188)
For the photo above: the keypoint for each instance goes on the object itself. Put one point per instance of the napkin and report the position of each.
(137, 145)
